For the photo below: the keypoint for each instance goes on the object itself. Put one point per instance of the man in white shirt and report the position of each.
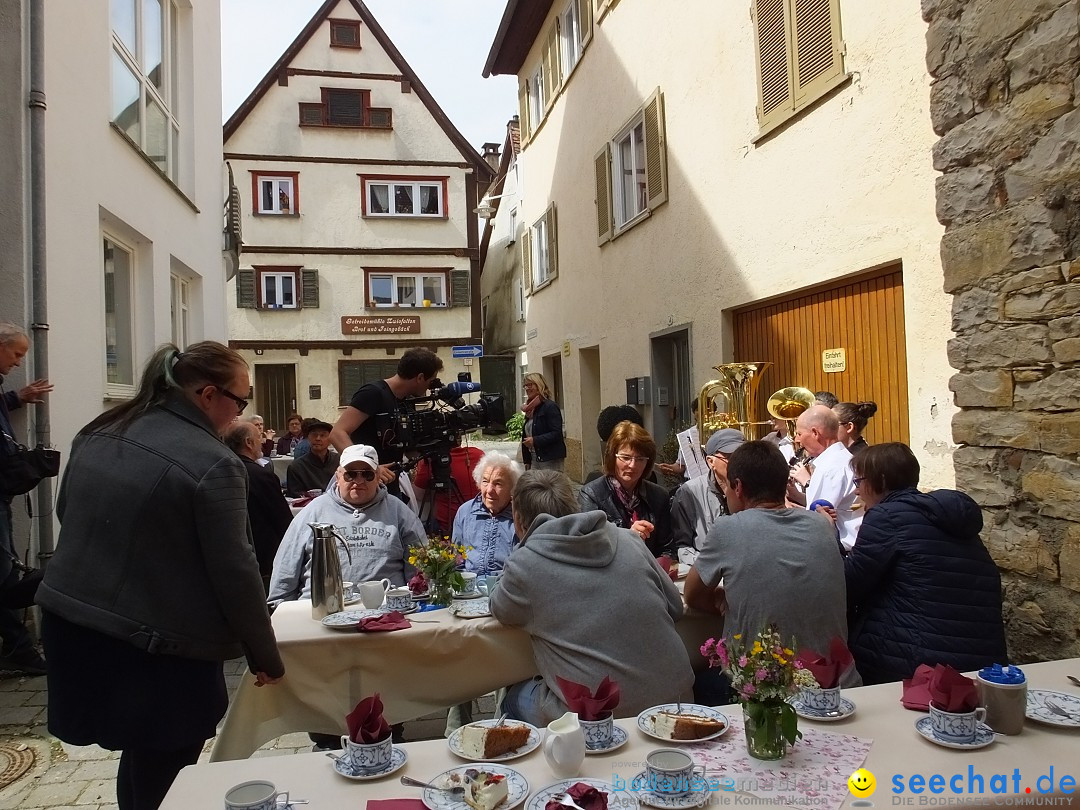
(817, 431)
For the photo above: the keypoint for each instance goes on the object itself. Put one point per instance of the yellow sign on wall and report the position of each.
(834, 360)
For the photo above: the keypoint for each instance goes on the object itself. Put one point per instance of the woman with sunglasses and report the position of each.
(378, 528)
(155, 583)
(626, 494)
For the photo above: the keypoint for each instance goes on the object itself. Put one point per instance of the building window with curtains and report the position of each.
(119, 281)
(144, 78)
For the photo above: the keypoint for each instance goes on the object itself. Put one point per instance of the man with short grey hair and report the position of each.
(831, 488)
(18, 651)
(559, 585)
(698, 503)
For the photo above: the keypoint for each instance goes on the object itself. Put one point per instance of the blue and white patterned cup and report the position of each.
(597, 733)
(257, 795)
(669, 772)
(367, 758)
(822, 700)
(956, 726)
(399, 599)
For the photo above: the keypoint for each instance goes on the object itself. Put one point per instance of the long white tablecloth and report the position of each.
(897, 751)
(440, 661)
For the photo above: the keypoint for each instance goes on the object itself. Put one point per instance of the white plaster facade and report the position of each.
(332, 233)
(845, 186)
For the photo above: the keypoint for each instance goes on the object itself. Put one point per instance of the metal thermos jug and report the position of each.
(327, 593)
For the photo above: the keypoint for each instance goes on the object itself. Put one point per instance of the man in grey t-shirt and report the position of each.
(768, 564)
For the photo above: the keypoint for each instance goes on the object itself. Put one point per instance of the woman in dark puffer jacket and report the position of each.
(921, 587)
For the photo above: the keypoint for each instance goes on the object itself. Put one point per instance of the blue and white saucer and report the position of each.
(983, 735)
(845, 710)
(467, 595)
(692, 799)
(398, 758)
(618, 740)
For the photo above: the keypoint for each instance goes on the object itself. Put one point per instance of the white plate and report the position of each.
(692, 799)
(419, 597)
(471, 610)
(397, 759)
(619, 736)
(531, 744)
(846, 709)
(468, 595)
(1036, 708)
(644, 721)
(347, 619)
(517, 787)
(983, 735)
(540, 799)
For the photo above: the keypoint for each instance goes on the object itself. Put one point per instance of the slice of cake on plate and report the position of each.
(484, 742)
(485, 791)
(685, 726)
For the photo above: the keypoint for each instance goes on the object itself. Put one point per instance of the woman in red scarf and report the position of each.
(542, 447)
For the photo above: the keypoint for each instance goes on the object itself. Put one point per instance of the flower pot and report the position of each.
(764, 723)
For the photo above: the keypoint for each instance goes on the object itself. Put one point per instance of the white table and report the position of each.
(281, 466)
(896, 750)
(440, 661)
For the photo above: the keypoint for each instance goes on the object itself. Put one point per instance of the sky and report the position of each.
(445, 41)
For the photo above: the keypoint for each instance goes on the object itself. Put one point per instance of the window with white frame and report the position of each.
(537, 97)
(569, 37)
(631, 194)
(519, 300)
(276, 194)
(540, 267)
(404, 197)
(278, 289)
(540, 251)
(119, 280)
(513, 227)
(410, 289)
(180, 306)
(144, 78)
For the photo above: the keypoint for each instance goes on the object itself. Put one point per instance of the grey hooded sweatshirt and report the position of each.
(379, 535)
(596, 604)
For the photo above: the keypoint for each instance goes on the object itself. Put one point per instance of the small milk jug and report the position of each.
(1003, 691)
(327, 593)
(564, 746)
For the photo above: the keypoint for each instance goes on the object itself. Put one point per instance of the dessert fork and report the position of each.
(566, 800)
(1060, 712)
(453, 791)
(1074, 679)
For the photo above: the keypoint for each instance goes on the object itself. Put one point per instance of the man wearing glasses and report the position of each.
(700, 501)
(378, 528)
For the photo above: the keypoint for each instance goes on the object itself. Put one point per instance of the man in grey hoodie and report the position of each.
(378, 529)
(594, 601)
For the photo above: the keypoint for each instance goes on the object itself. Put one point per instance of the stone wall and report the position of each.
(1005, 102)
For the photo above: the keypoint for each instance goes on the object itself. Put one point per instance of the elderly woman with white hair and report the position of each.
(485, 525)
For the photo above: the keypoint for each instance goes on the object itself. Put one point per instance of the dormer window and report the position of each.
(345, 34)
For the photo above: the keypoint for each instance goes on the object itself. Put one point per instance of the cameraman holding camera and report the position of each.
(357, 423)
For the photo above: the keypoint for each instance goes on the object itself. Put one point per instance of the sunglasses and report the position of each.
(351, 475)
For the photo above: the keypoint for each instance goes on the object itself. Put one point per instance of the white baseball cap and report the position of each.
(360, 452)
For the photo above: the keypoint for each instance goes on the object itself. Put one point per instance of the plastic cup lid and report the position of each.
(1002, 674)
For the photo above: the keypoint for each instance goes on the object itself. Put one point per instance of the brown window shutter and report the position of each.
(771, 26)
(309, 289)
(819, 60)
(523, 112)
(602, 166)
(245, 290)
(460, 289)
(526, 258)
(311, 115)
(584, 8)
(552, 243)
(345, 108)
(655, 150)
(380, 117)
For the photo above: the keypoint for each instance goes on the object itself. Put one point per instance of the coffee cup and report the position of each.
(257, 795)
(486, 586)
(399, 599)
(366, 758)
(669, 772)
(957, 727)
(822, 700)
(468, 579)
(597, 733)
(373, 592)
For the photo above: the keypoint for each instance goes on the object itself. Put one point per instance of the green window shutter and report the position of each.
(309, 286)
(552, 64)
(460, 288)
(526, 258)
(584, 8)
(523, 111)
(245, 290)
(818, 48)
(771, 27)
(655, 150)
(602, 167)
(552, 243)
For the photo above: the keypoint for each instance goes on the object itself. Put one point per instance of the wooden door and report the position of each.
(864, 317)
(275, 394)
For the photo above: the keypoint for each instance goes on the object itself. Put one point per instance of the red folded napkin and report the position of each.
(585, 796)
(394, 620)
(586, 705)
(827, 669)
(366, 723)
(418, 584)
(916, 694)
(299, 502)
(395, 804)
(950, 691)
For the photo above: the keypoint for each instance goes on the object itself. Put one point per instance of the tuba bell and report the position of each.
(788, 404)
(737, 385)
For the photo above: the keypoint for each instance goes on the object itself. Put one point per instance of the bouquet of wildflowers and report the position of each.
(438, 561)
(763, 674)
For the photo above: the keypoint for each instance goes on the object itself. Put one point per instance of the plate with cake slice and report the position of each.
(683, 722)
(487, 787)
(486, 741)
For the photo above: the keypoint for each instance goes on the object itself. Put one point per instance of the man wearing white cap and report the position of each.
(379, 530)
(700, 501)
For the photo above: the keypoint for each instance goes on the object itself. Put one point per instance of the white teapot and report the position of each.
(564, 746)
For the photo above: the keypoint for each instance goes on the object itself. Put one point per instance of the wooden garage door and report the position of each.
(865, 317)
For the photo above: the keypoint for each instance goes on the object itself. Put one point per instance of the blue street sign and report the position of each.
(466, 351)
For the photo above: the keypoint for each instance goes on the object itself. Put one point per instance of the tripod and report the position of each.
(440, 485)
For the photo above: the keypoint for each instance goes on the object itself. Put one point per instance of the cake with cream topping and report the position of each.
(685, 726)
(484, 742)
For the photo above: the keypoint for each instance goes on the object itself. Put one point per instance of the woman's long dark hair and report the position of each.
(207, 363)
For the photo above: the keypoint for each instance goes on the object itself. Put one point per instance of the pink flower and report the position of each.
(742, 660)
(761, 674)
(725, 660)
(749, 690)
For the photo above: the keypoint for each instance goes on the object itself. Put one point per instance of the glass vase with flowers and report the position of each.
(764, 674)
(438, 561)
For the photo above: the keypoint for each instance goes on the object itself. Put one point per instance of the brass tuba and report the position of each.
(737, 384)
(788, 404)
